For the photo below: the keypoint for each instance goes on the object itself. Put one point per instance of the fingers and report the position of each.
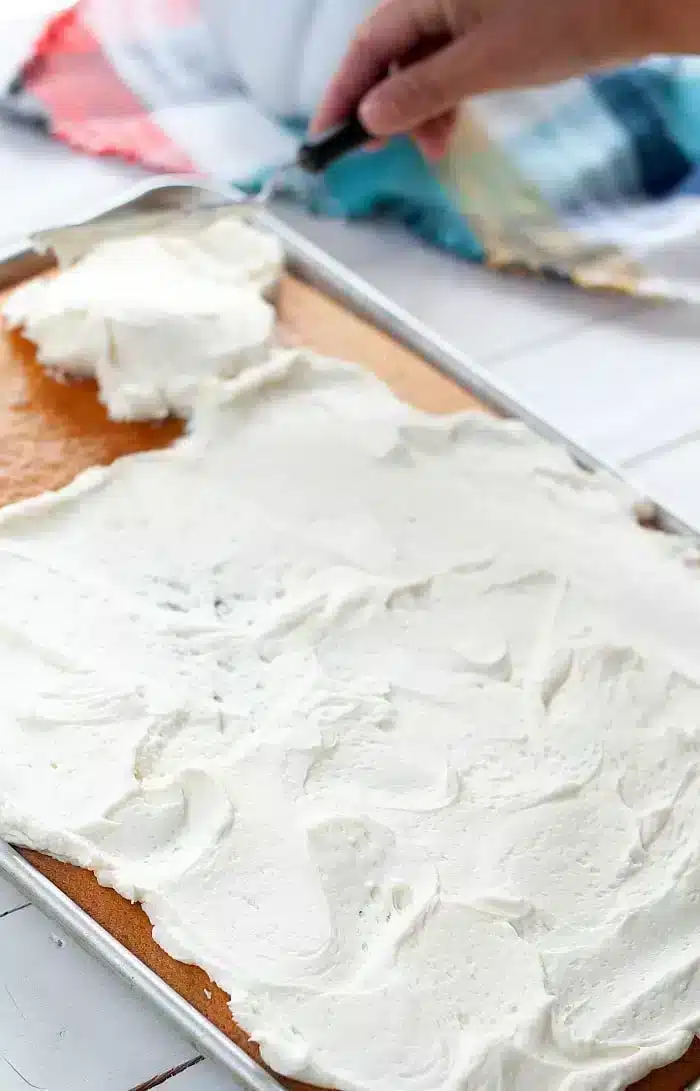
(407, 99)
(391, 32)
(433, 137)
(414, 61)
(501, 53)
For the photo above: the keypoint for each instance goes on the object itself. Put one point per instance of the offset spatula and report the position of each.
(158, 201)
(318, 152)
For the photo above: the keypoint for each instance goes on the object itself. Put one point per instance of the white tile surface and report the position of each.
(9, 899)
(205, 1076)
(66, 1022)
(673, 479)
(486, 314)
(620, 388)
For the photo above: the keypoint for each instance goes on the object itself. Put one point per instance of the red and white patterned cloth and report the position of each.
(77, 93)
(160, 82)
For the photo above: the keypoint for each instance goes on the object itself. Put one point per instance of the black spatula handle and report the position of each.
(318, 152)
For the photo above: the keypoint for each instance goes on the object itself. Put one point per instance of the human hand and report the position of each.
(413, 61)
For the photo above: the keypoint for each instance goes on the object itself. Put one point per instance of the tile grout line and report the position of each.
(663, 449)
(158, 1081)
(504, 356)
(16, 909)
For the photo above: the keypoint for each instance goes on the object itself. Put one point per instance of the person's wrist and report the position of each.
(662, 26)
(609, 33)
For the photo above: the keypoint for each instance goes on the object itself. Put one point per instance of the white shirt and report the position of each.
(285, 51)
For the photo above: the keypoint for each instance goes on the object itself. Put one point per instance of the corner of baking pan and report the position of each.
(93, 938)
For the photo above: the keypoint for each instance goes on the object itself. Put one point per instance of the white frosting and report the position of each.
(391, 722)
(152, 317)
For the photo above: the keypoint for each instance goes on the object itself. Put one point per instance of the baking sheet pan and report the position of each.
(331, 277)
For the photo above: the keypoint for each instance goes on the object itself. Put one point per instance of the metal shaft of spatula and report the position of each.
(317, 153)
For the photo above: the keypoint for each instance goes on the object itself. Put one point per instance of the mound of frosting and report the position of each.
(391, 722)
(155, 317)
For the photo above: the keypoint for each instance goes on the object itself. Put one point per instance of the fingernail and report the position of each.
(370, 112)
